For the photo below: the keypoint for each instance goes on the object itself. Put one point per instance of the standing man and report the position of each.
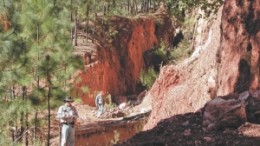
(99, 102)
(67, 114)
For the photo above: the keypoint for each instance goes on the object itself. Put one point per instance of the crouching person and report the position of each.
(67, 115)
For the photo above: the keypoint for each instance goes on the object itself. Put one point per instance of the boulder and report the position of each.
(253, 107)
(225, 111)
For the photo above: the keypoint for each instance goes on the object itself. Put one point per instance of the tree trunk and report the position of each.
(136, 7)
(38, 87)
(49, 116)
(131, 7)
(16, 134)
(13, 92)
(13, 136)
(128, 5)
(106, 8)
(71, 19)
(114, 4)
(35, 127)
(38, 58)
(21, 124)
(27, 128)
(154, 5)
(54, 3)
(26, 117)
(75, 29)
(48, 77)
(22, 127)
(87, 24)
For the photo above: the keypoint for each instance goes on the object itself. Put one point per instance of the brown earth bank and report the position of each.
(227, 62)
(229, 67)
(226, 120)
(239, 47)
(121, 45)
(108, 132)
(187, 86)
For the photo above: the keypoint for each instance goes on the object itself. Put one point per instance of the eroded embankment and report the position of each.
(109, 132)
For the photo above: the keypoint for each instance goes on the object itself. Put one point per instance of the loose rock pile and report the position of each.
(231, 111)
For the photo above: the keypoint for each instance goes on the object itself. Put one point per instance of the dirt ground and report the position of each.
(186, 130)
(180, 130)
(106, 129)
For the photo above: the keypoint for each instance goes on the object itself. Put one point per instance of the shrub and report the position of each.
(108, 102)
(148, 77)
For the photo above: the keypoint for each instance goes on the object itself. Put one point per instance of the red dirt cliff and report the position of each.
(227, 62)
(240, 44)
(120, 59)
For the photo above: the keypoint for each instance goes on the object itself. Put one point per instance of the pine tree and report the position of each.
(38, 28)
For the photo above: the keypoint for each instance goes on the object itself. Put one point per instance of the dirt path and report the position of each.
(105, 131)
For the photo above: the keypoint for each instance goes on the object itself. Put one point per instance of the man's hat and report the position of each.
(68, 99)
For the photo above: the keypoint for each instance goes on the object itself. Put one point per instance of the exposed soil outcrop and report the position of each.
(223, 65)
(225, 120)
(186, 87)
(120, 50)
(240, 44)
(226, 63)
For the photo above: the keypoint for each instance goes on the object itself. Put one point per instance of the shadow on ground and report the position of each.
(186, 130)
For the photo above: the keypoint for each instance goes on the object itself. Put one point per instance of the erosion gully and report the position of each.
(109, 132)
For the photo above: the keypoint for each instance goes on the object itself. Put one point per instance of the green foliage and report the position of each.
(181, 52)
(183, 48)
(85, 89)
(180, 8)
(161, 51)
(112, 33)
(108, 102)
(148, 77)
(78, 100)
(36, 29)
(211, 6)
(39, 143)
(5, 140)
(11, 113)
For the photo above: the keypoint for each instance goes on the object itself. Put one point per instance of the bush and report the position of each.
(78, 101)
(108, 102)
(148, 77)
(181, 51)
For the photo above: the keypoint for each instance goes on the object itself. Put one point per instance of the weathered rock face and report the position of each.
(231, 111)
(187, 86)
(223, 112)
(121, 61)
(240, 44)
(227, 62)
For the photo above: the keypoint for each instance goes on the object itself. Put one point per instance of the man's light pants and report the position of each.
(100, 110)
(67, 135)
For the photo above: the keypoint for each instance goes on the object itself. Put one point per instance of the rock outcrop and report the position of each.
(187, 86)
(229, 63)
(225, 112)
(240, 44)
(231, 111)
